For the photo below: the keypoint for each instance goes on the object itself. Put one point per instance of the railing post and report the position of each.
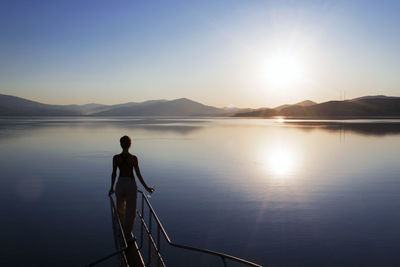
(149, 247)
(141, 228)
(224, 261)
(158, 244)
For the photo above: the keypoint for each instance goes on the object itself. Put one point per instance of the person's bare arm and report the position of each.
(113, 175)
(139, 175)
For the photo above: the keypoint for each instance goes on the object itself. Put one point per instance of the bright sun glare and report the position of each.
(279, 161)
(283, 70)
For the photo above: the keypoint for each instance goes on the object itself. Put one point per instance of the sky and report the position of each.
(221, 53)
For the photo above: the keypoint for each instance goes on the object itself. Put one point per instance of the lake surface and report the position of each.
(298, 193)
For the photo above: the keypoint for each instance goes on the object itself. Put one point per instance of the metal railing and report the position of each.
(155, 243)
(119, 238)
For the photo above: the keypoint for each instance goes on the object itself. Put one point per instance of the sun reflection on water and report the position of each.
(279, 161)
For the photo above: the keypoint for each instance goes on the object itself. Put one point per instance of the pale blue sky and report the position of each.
(215, 52)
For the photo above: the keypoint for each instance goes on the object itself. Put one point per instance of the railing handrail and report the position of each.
(124, 246)
(222, 255)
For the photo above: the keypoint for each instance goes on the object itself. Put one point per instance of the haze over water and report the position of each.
(292, 194)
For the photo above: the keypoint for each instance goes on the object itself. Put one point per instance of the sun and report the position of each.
(284, 70)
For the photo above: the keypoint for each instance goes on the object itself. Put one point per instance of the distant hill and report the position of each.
(177, 107)
(270, 112)
(372, 96)
(368, 106)
(261, 112)
(86, 109)
(361, 107)
(304, 103)
(16, 106)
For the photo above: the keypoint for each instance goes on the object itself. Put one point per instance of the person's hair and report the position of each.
(125, 141)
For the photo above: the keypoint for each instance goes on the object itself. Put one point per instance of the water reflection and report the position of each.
(30, 188)
(293, 194)
(14, 127)
(367, 127)
(278, 161)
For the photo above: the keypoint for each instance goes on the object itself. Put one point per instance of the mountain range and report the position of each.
(367, 106)
(16, 106)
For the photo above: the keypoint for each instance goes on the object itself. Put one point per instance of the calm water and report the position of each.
(279, 194)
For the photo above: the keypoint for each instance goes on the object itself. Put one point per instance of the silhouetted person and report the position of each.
(126, 189)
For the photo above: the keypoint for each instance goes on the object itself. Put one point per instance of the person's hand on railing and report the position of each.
(111, 192)
(150, 189)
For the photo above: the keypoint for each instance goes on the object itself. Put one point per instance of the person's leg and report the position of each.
(121, 201)
(131, 206)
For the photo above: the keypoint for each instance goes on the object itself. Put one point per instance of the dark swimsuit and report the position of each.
(125, 161)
